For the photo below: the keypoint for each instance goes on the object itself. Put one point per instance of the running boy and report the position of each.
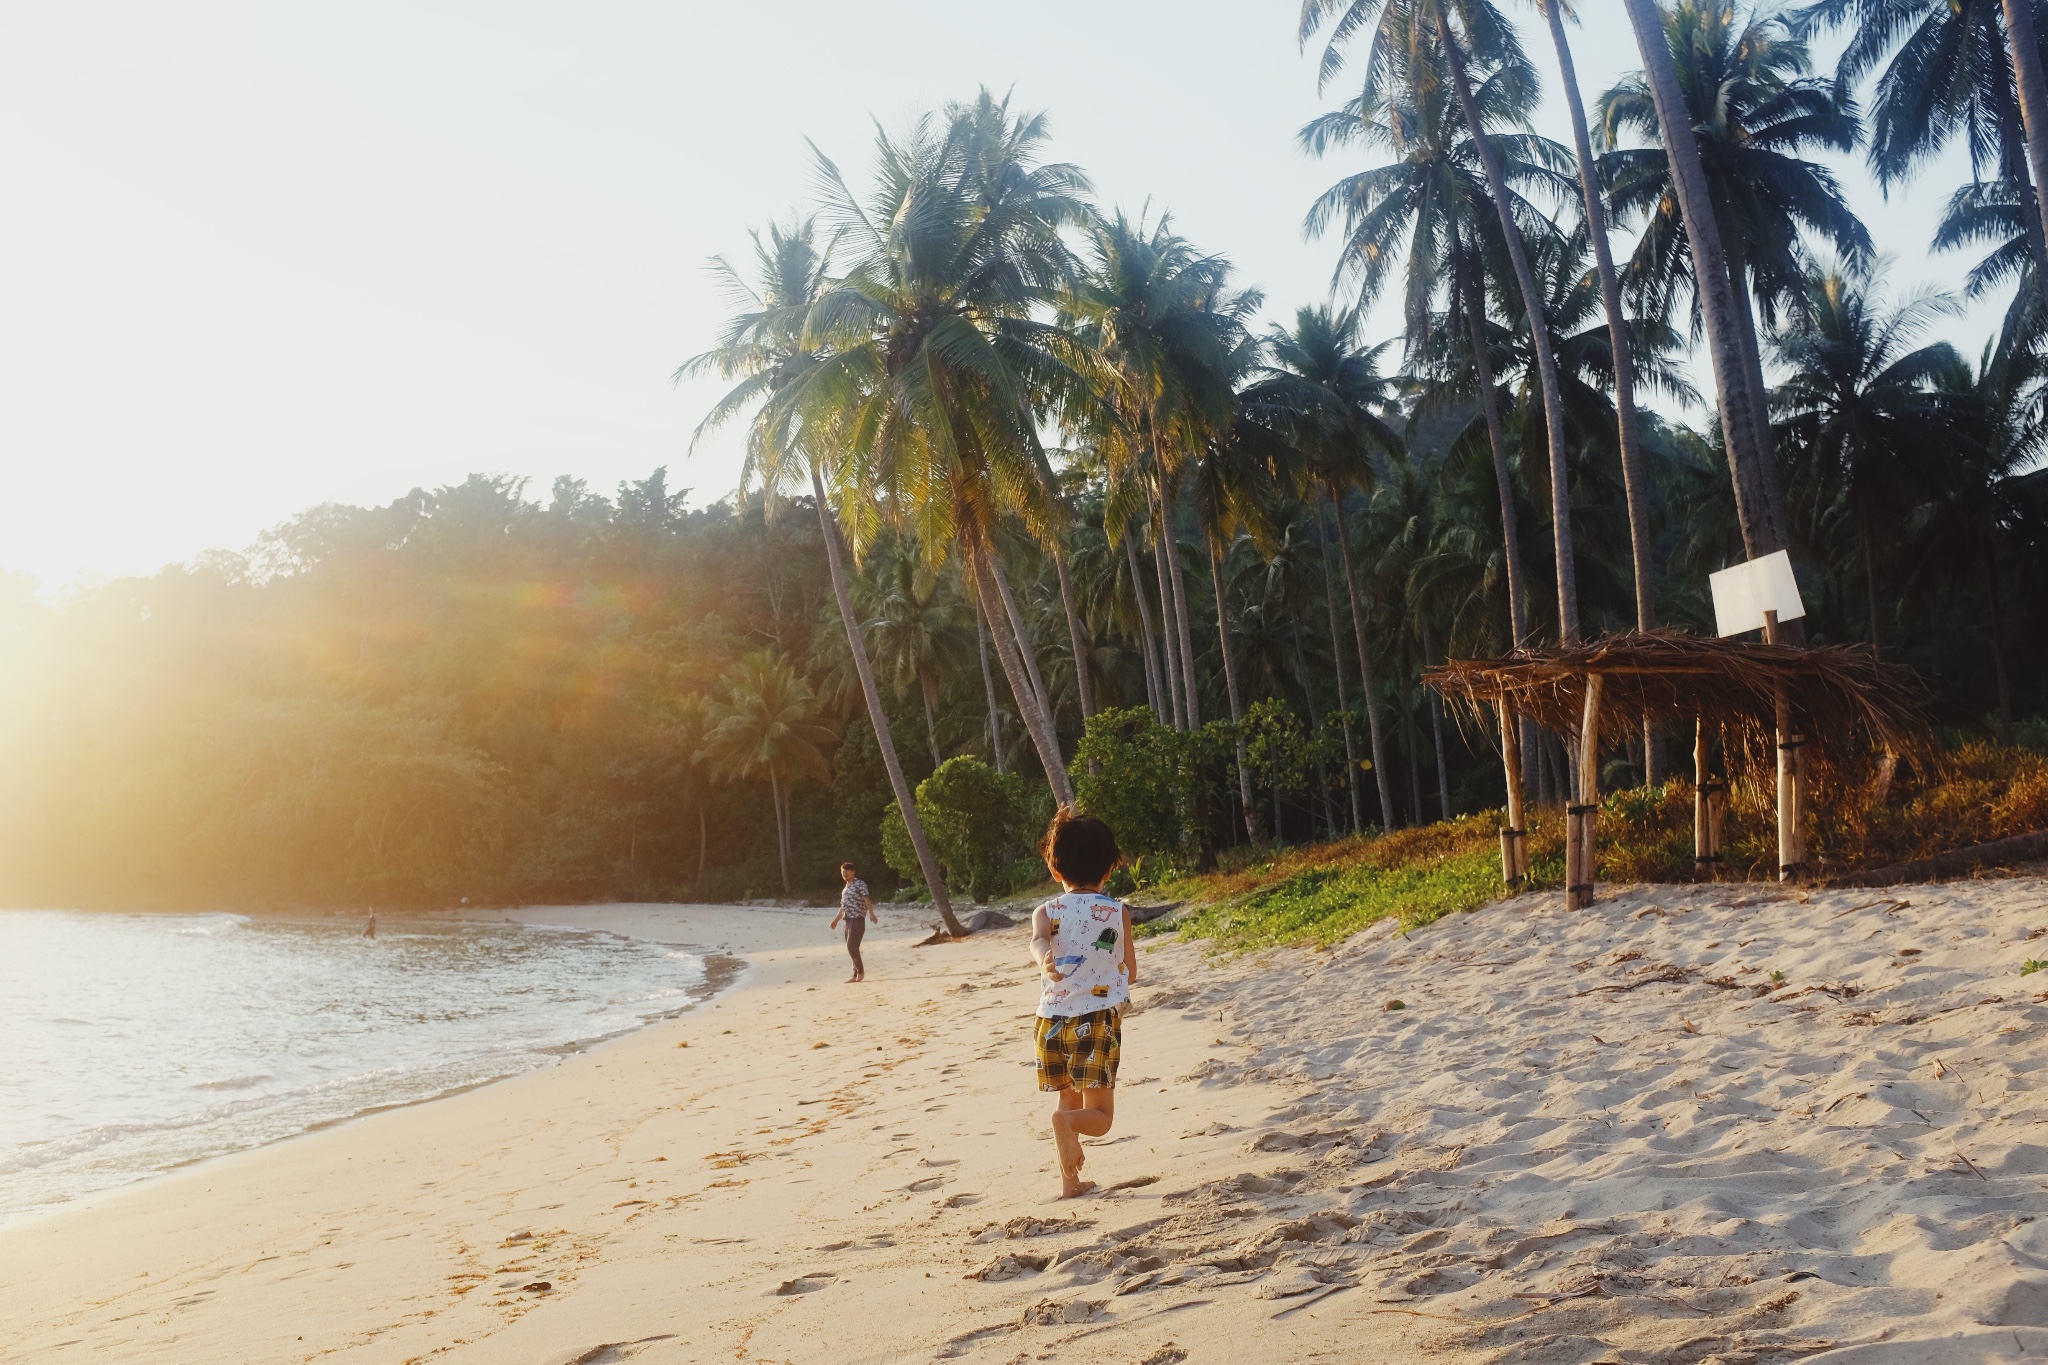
(856, 908)
(1082, 942)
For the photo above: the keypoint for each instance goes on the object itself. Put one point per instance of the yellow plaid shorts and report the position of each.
(1079, 1052)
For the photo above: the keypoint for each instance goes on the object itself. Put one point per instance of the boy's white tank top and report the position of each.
(1088, 949)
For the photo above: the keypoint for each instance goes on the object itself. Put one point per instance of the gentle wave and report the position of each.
(138, 1043)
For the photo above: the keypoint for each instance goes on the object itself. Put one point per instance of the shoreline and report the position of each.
(721, 971)
(1603, 1134)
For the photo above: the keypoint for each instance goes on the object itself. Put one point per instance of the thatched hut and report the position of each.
(1813, 712)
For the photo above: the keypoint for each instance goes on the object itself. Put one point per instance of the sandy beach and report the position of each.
(1722, 1124)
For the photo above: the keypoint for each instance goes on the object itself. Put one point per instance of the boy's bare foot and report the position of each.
(1071, 1155)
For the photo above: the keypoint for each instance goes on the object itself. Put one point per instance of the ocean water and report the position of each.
(130, 1044)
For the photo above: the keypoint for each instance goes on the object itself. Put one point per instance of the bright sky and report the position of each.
(261, 256)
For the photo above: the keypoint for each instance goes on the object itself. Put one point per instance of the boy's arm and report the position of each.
(868, 902)
(1130, 951)
(1041, 943)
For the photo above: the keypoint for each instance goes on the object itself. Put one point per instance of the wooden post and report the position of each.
(1581, 817)
(1514, 836)
(1710, 797)
(1791, 771)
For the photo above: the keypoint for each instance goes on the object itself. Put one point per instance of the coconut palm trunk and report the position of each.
(1762, 532)
(1436, 727)
(1337, 665)
(781, 825)
(1634, 480)
(1503, 479)
(1037, 724)
(906, 801)
(2025, 52)
(1022, 633)
(1170, 633)
(1246, 805)
(1084, 686)
(988, 682)
(1154, 691)
(1183, 627)
(1539, 334)
(1372, 709)
(1635, 488)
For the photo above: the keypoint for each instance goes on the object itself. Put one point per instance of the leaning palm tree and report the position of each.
(931, 354)
(1416, 43)
(766, 721)
(1744, 419)
(1634, 481)
(763, 348)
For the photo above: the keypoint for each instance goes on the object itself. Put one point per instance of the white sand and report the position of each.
(1591, 1137)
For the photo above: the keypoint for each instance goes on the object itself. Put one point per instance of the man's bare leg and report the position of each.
(1082, 1113)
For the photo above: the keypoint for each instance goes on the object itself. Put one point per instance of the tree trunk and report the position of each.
(1185, 629)
(906, 801)
(988, 682)
(1436, 728)
(1244, 777)
(1372, 706)
(2015, 159)
(1315, 722)
(1489, 405)
(1870, 589)
(1036, 723)
(925, 689)
(1539, 337)
(1169, 635)
(781, 825)
(1337, 662)
(1154, 690)
(1753, 369)
(1635, 486)
(1084, 687)
(1414, 763)
(703, 844)
(1025, 648)
(2025, 52)
(1762, 532)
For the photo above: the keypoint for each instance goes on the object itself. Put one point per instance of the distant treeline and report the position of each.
(469, 694)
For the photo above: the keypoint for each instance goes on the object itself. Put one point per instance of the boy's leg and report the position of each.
(855, 930)
(1081, 1113)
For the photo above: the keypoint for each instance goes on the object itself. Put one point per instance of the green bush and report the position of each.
(977, 819)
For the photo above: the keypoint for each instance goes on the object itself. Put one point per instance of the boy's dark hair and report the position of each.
(1080, 849)
(849, 867)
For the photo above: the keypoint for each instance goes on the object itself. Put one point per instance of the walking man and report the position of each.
(856, 908)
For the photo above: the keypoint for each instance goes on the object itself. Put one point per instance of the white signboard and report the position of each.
(1743, 594)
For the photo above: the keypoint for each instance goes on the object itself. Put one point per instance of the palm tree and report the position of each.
(767, 722)
(689, 729)
(932, 355)
(1327, 393)
(1743, 415)
(1160, 324)
(1428, 211)
(1859, 404)
(1947, 74)
(1634, 482)
(763, 348)
(912, 627)
(1402, 29)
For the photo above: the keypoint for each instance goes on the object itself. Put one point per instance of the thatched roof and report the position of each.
(1844, 698)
